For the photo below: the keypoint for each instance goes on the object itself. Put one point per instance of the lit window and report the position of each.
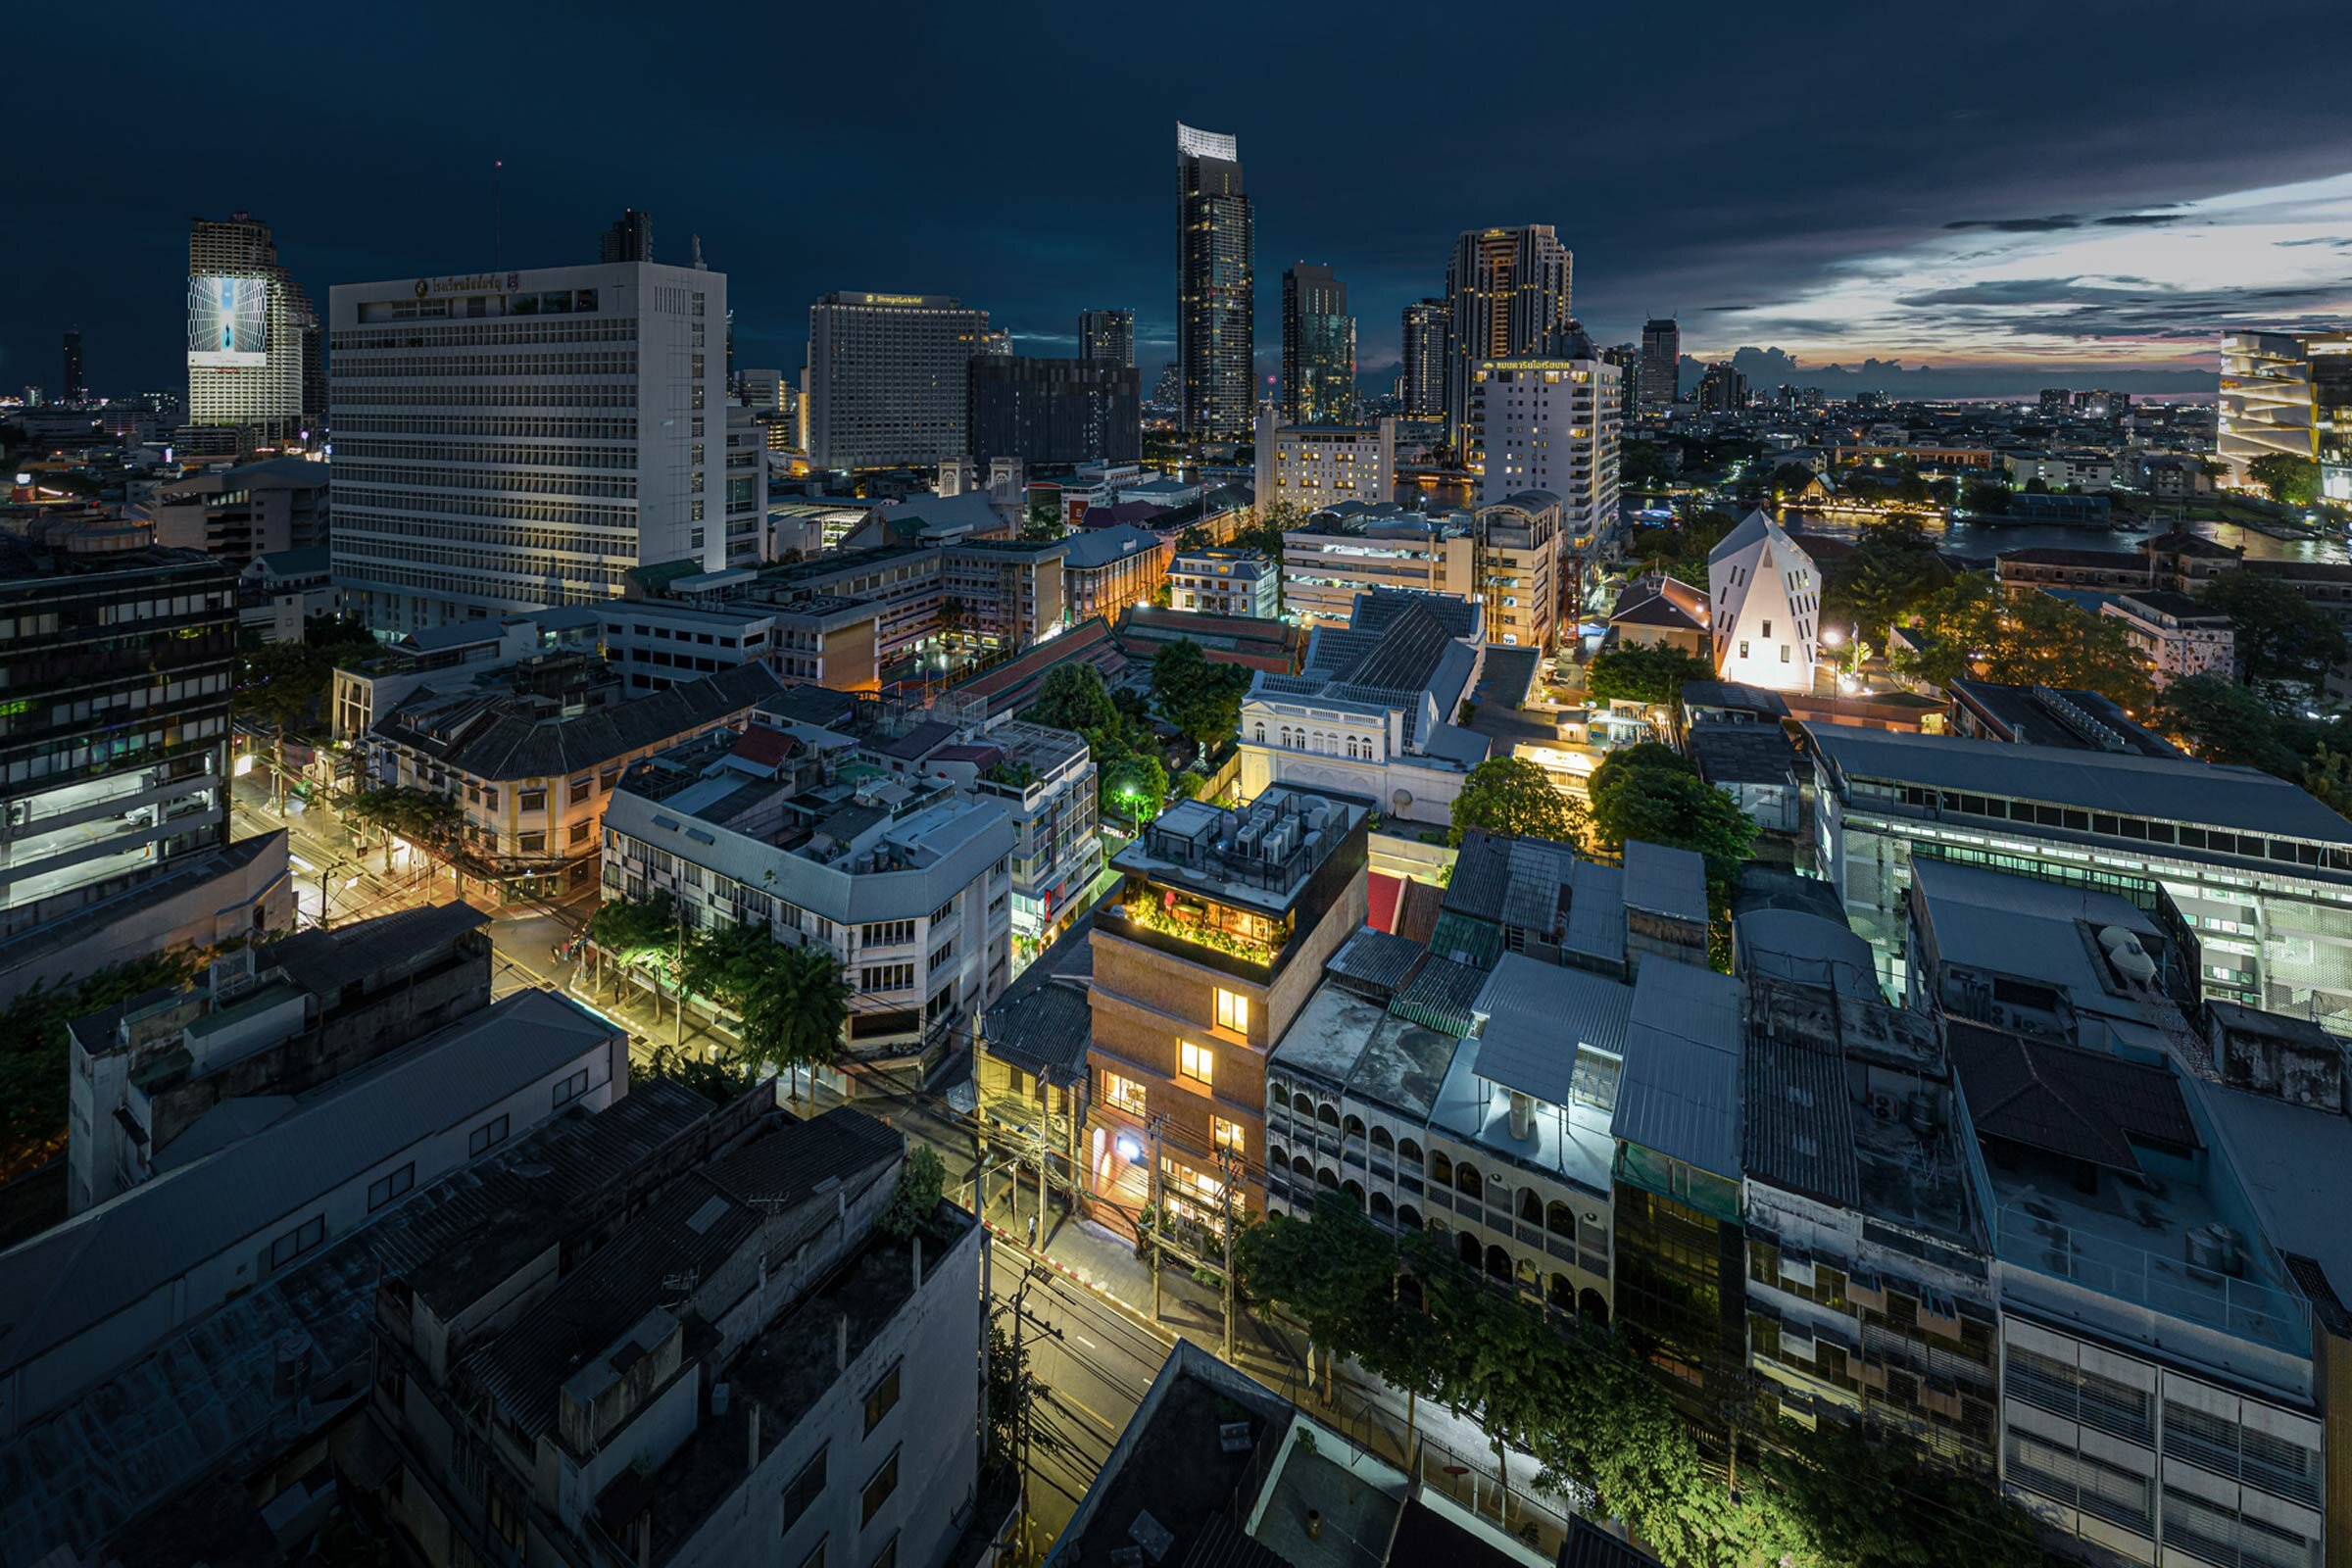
(1228, 1135)
(1233, 1011)
(1199, 1063)
(1124, 1093)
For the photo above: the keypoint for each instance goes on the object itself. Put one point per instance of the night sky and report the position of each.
(2011, 193)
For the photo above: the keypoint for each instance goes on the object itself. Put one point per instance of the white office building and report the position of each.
(1551, 424)
(512, 440)
(888, 382)
(252, 332)
(1225, 582)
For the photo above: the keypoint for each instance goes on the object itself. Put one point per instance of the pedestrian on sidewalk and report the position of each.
(1033, 1232)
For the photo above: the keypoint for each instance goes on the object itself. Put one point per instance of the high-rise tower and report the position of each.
(1216, 288)
(1106, 337)
(1509, 289)
(251, 330)
(1318, 347)
(71, 384)
(1425, 323)
(1661, 362)
(629, 239)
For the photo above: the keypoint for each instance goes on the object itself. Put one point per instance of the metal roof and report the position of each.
(1538, 1016)
(106, 1259)
(1796, 1119)
(2175, 788)
(515, 743)
(2082, 1104)
(1680, 1093)
(1376, 960)
(1667, 881)
(1441, 996)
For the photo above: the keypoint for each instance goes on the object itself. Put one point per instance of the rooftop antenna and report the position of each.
(497, 211)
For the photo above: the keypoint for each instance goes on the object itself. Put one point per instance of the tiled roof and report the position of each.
(2082, 1104)
(502, 741)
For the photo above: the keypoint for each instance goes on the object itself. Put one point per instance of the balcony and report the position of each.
(1196, 942)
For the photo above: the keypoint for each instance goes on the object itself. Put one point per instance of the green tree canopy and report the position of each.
(1635, 674)
(638, 932)
(1889, 575)
(792, 1002)
(2291, 481)
(1201, 697)
(2223, 722)
(1681, 548)
(1513, 796)
(1653, 793)
(1976, 630)
(1073, 696)
(2280, 635)
(36, 1054)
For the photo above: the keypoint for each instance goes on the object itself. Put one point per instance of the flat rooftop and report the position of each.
(1218, 850)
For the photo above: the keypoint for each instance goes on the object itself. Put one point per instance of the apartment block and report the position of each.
(1225, 582)
(1310, 466)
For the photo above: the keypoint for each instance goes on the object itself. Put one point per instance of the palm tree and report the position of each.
(798, 1017)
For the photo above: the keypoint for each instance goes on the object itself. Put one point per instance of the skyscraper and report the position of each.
(1216, 288)
(629, 239)
(1107, 336)
(889, 379)
(1318, 346)
(73, 366)
(1661, 362)
(1425, 325)
(251, 329)
(510, 440)
(1722, 389)
(1627, 357)
(2287, 395)
(1509, 290)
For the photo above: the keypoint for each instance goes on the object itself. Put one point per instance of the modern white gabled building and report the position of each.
(1766, 600)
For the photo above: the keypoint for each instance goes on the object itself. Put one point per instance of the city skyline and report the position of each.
(1971, 219)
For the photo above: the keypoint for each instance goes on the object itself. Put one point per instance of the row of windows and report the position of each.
(505, 455)
(616, 363)
(355, 531)
(507, 426)
(509, 574)
(425, 485)
(2107, 824)
(404, 503)
(610, 329)
(618, 395)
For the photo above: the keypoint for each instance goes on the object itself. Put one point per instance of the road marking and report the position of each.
(1083, 1340)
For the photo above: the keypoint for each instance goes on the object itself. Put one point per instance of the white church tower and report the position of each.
(1766, 599)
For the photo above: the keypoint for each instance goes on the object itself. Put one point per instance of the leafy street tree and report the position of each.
(434, 823)
(1987, 498)
(1044, 519)
(36, 1055)
(2223, 722)
(1892, 572)
(1790, 478)
(1513, 796)
(1074, 696)
(282, 684)
(636, 933)
(1129, 776)
(2280, 635)
(720, 1082)
(1975, 629)
(1200, 697)
(2291, 481)
(1635, 674)
(792, 1002)
(1681, 548)
(1653, 793)
(1138, 782)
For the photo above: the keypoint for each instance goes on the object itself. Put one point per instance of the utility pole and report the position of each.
(1228, 1172)
(1151, 1212)
(677, 976)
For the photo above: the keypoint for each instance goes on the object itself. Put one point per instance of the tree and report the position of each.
(1681, 549)
(36, 1053)
(922, 1181)
(2223, 722)
(1138, 782)
(282, 684)
(636, 933)
(1888, 574)
(1635, 674)
(2281, 634)
(1073, 696)
(1652, 794)
(1200, 697)
(1044, 519)
(1985, 496)
(2291, 481)
(717, 1080)
(1512, 795)
(1975, 629)
(433, 823)
(1792, 479)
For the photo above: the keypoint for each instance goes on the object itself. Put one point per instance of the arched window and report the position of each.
(1531, 1207)
(1466, 1247)
(1466, 1180)
(1261, 733)
(1561, 1293)
(1328, 1114)
(1353, 1190)
(1408, 1151)
(1440, 1169)
(1304, 1167)
(1382, 1208)
(1382, 1140)
(1325, 1176)
(1408, 1217)
(1589, 1303)
(1277, 1157)
(1353, 1127)
(1498, 1263)
(1303, 1103)
(1560, 1219)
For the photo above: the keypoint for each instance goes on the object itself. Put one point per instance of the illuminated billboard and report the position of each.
(228, 321)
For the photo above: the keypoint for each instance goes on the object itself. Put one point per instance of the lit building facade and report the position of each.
(1310, 466)
(1662, 362)
(1318, 346)
(512, 440)
(1426, 324)
(1107, 336)
(1507, 291)
(1216, 280)
(888, 380)
(1551, 424)
(253, 336)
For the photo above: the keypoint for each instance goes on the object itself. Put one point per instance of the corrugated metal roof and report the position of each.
(1798, 1127)
(1440, 994)
(1539, 1016)
(1679, 1094)
(1666, 881)
(1376, 960)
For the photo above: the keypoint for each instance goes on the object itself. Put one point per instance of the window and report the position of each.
(883, 1397)
(530, 843)
(532, 800)
(1768, 628)
(489, 1135)
(803, 1493)
(298, 1241)
(1744, 648)
(1233, 1010)
(582, 788)
(579, 833)
(1227, 1135)
(886, 977)
(1199, 1063)
(572, 1088)
(1784, 653)
(879, 1489)
(1124, 1093)
(386, 1188)
(887, 934)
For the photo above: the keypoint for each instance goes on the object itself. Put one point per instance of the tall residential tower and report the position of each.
(889, 380)
(1661, 362)
(1107, 336)
(251, 330)
(1425, 327)
(1508, 289)
(1216, 288)
(1318, 346)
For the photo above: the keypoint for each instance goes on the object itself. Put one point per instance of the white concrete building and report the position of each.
(1225, 582)
(2178, 636)
(1371, 712)
(1351, 548)
(1551, 424)
(1766, 600)
(1310, 466)
(2061, 470)
(253, 335)
(511, 440)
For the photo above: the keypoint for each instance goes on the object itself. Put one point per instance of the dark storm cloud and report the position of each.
(2020, 225)
(915, 167)
(2140, 219)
